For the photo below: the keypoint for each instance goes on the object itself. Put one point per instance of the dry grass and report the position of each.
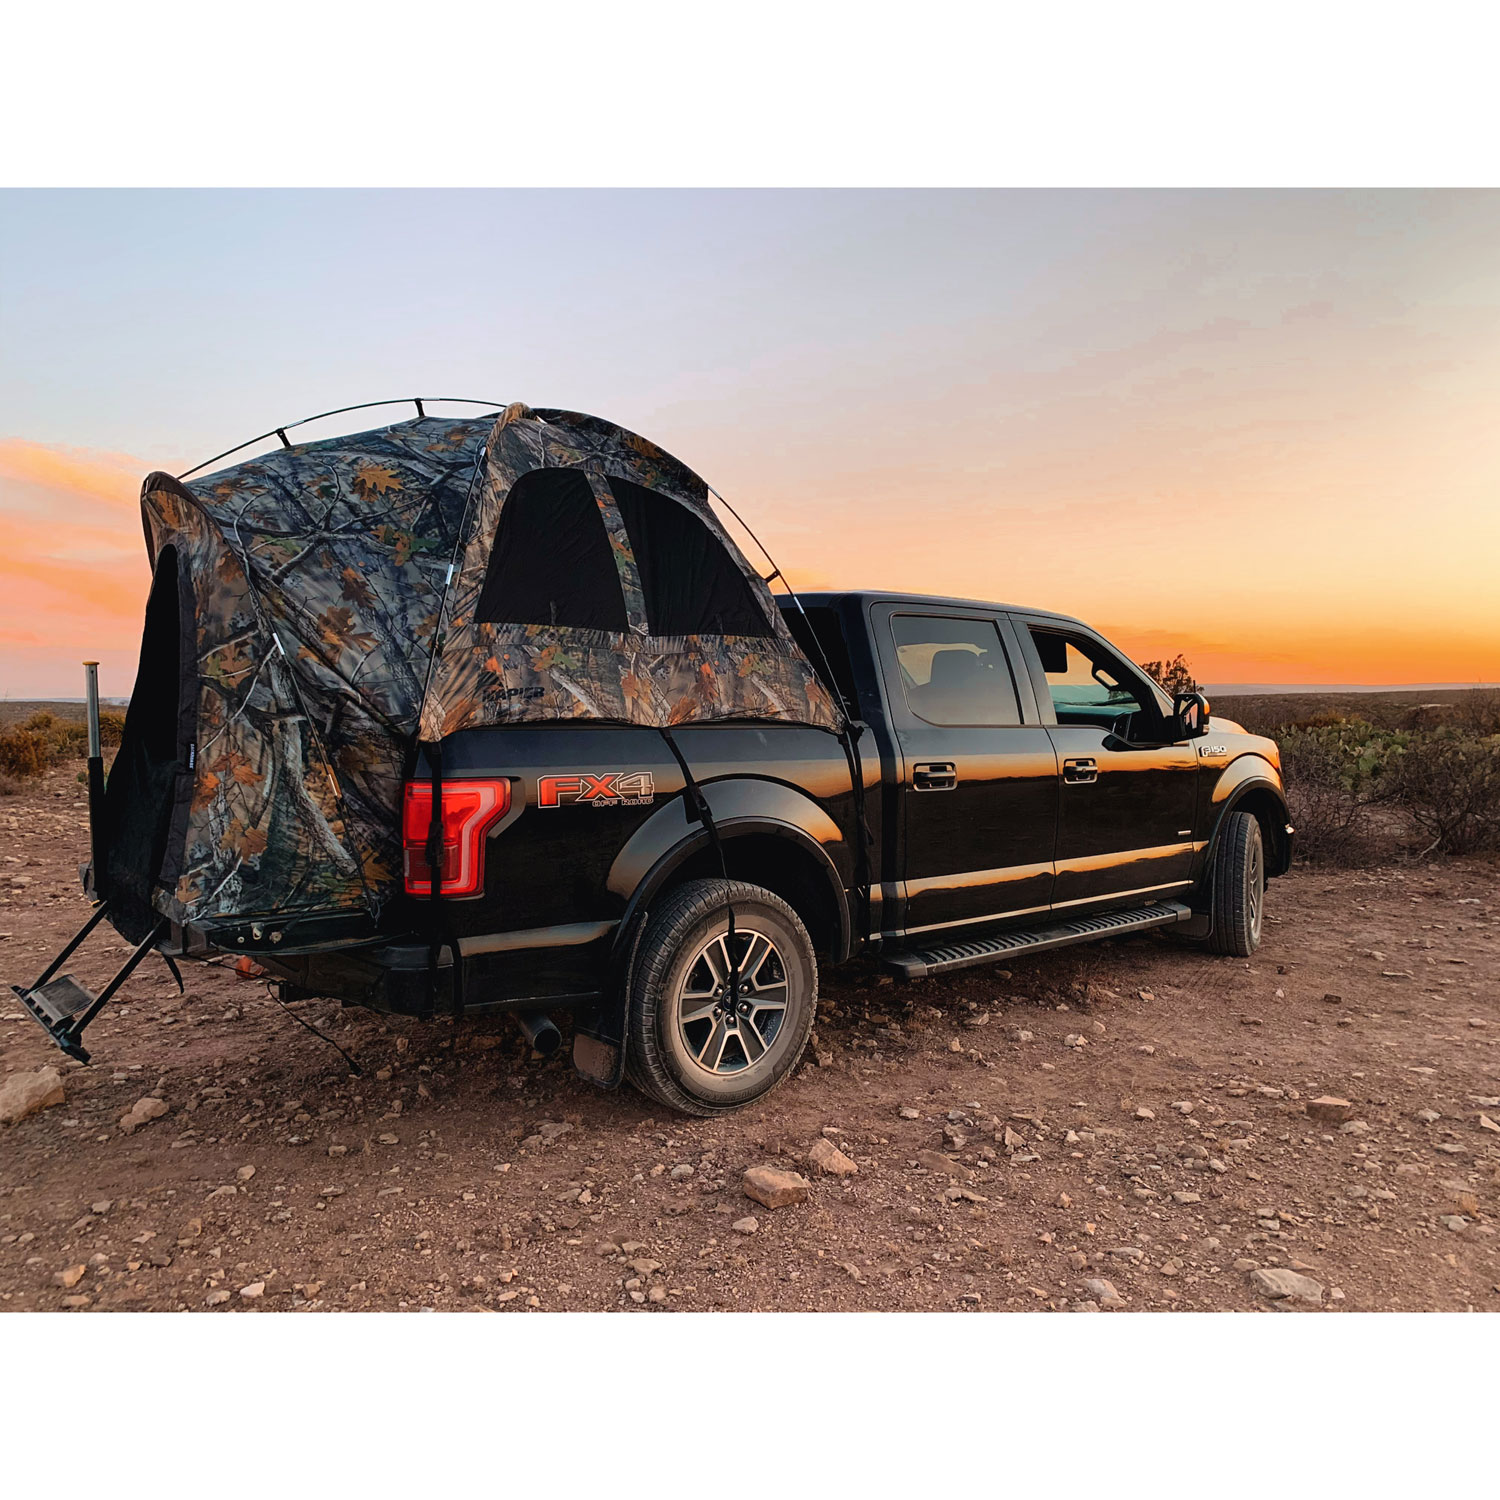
(44, 740)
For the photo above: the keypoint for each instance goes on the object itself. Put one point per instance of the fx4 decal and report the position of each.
(602, 789)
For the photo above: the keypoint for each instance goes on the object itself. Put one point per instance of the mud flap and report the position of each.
(599, 1036)
(599, 1060)
(600, 1028)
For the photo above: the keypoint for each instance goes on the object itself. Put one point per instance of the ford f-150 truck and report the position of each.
(492, 713)
(1016, 784)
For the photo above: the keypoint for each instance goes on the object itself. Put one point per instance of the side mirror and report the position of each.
(1191, 711)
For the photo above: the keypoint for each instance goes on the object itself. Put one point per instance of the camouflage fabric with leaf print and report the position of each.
(500, 674)
(316, 574)
(319, 579)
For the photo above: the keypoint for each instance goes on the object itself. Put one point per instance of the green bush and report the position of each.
(1335, 770)
(1436, 790)
(1448, 785)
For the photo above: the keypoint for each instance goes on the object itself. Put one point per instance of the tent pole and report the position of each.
(96, 778)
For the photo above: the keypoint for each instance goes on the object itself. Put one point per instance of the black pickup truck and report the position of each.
(492, 713)
(1015, 784)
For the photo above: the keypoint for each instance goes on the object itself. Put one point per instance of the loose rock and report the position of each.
(25, 1094)
(827, 1158)
(1103, 1292)
(142, 1112)
(935, 1161)
(774, 1188)
(1279, 1285)
(1334, 1110)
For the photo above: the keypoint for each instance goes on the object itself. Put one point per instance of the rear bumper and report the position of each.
(308, 932)
(537, 968)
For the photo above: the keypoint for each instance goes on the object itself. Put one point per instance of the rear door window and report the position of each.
(954, 671)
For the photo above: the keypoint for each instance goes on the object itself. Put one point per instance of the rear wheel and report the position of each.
(692, 1043)
(1239, 886)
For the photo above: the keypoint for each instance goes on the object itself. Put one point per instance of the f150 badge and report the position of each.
(601, 788)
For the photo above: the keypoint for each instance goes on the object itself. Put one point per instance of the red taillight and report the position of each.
(470, 810)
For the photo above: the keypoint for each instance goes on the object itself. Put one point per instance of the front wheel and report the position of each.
(1239, 886)
(698, 1042)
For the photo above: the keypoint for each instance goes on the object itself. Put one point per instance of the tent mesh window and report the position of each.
(552, 563)
(691, 585)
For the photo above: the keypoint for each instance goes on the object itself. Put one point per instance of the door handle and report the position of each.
(934, 776)
(1082, 768)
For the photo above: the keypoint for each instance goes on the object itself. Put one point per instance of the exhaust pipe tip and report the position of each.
(538, 1029)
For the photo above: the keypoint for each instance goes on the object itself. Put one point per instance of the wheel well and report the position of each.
(1270, 813)
(782, 867)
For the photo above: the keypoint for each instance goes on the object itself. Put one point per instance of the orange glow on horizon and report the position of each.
(1307, 594)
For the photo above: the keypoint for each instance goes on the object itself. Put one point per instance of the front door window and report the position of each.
(1090, 685)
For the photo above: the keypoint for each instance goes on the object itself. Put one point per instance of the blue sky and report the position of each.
(1076, 399)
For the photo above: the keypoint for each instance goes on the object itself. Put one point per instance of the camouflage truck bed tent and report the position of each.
(569, 570)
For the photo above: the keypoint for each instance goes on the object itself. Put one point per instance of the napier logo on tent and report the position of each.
(602, 789)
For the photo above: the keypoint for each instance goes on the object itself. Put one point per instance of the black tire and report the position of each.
(675, 1022)
(1239, 886)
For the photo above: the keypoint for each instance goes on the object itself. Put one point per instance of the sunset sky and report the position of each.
(1257, 427)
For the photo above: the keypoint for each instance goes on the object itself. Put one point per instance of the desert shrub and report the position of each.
(23, 753)
(1347, 781)
(1335, 771)
(1477, 712)
(41, 742)
(9, 786)
(111, 728)
(69, 741)
(1448, 784)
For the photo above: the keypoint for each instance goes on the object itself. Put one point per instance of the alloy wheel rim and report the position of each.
(732, 1041)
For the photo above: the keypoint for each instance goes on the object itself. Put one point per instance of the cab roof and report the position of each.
(937, 601)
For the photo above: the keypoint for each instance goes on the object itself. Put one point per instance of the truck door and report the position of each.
(978, 785)
(1128, 791)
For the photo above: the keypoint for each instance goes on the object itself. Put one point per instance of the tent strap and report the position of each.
(697, 804)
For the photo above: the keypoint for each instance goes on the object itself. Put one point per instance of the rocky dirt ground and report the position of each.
(1124, 1125)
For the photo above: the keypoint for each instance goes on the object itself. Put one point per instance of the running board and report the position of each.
(922, 962)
